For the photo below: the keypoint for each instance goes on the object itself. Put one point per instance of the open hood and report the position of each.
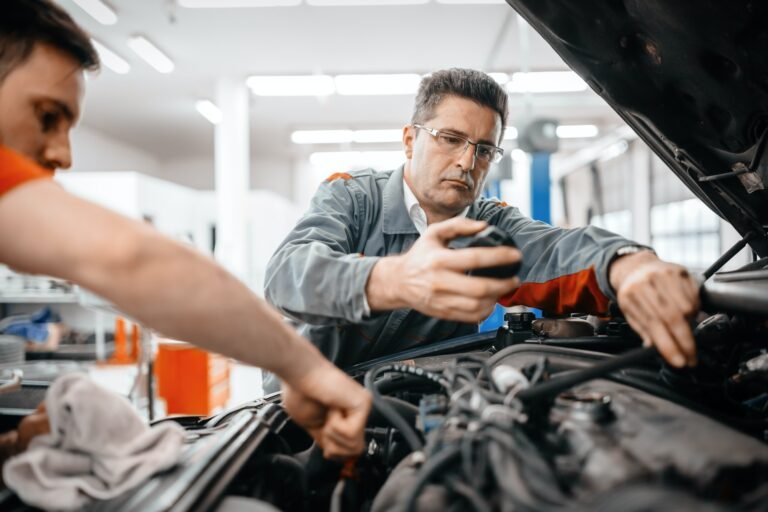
(691, 78)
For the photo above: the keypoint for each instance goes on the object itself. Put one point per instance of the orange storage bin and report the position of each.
(191, 380)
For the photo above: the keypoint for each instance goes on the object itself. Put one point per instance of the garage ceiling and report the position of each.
(156, 113)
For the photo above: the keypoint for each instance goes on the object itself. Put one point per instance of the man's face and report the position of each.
(39, 104)
(445, 183)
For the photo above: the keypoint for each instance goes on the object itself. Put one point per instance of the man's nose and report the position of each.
(57, 153)
(467, 158)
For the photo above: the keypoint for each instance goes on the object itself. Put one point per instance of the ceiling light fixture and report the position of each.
(151, 54)
(351, 159)
(368, 136)
(363, 3)
(221, 4)
(501, 78)
(577, 131)
(471, 2)
(346, 136)
(510, 133)
(98, 10)
(321, 136)
(378, 85)
(209, 110)
(298, 85)
(546, 81)
(110, 59)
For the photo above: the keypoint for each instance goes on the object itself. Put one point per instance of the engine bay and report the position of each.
(537, 425)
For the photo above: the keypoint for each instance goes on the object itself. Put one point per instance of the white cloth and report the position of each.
(98, 448)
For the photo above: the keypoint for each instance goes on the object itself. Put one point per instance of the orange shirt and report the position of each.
(16, 170)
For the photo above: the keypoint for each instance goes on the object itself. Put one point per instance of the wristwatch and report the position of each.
(632, 249)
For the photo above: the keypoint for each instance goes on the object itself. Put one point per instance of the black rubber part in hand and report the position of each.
(489, 237)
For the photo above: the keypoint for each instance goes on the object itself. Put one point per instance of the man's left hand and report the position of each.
(658, 300)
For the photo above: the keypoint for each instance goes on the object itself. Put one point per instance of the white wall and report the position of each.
(274, 174)
(95, 151)
(193, 172)
(271, 217)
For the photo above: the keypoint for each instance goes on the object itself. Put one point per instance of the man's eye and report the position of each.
(451, 140)
(484, 151)
(49, 120)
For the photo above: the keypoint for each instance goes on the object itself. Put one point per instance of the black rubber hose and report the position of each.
(434, 465)
(566, 380)
(389, 412)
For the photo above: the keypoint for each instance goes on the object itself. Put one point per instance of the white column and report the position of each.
(641, 193)
(232, 163)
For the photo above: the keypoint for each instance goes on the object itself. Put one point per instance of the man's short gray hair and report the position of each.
(466, 83)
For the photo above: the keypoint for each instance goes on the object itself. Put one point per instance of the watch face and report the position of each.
(630, 249)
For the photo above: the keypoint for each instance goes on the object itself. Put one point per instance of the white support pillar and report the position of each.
(232, 174)
(641, 193)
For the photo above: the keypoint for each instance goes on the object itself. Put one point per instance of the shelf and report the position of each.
(69, 298)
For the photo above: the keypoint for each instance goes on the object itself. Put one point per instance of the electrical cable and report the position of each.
(336, 497)
(446, 456)
(389, 412)
(566, 380)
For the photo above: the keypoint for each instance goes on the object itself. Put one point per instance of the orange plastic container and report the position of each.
(191, 380)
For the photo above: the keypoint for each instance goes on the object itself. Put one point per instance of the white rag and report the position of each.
(98, 448)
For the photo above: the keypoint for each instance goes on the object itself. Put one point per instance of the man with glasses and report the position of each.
(367, 273)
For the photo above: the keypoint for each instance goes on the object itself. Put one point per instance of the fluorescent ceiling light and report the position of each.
(614, 150)
(501, 78)
(216, 4)
(518, 155)
(345, 136)
(546, 81)
(357, 159)
(209, 110)
(98, 10)
(365, 85)
(110, 59)
(352, 3)
(321, 136)
(577, 131)
(471, 2)
(364, 136)
(299, 85)
(151, 54)
(510, 133)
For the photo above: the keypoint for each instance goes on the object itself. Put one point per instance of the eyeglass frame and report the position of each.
(436, 133)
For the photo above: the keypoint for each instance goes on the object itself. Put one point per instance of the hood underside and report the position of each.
(691, 78)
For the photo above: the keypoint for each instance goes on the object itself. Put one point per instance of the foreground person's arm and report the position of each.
(180, 293)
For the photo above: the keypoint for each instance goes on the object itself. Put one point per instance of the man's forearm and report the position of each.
(163, 284)
(381, 289)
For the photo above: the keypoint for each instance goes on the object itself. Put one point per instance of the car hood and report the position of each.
(691, 78)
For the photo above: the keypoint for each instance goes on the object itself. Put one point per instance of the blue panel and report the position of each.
(540, 200)
(494, 320)
(492, 189)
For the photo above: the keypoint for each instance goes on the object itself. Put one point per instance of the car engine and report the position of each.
(540, 425)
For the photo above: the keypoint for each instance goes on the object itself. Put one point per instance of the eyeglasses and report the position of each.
(453, 143)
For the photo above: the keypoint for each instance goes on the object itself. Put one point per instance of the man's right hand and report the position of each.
(331, 407)
(432, 279)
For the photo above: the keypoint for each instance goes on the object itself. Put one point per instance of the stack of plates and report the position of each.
(41, 371)
(11, 349)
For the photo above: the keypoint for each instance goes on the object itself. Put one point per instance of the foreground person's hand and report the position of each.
(431, 278)
(658, 300)
(332, 407)
(16, 441)
(31, 426)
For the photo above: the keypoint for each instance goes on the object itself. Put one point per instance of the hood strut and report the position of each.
(730, 253)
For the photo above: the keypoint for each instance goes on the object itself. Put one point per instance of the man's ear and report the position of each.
(409, 136)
